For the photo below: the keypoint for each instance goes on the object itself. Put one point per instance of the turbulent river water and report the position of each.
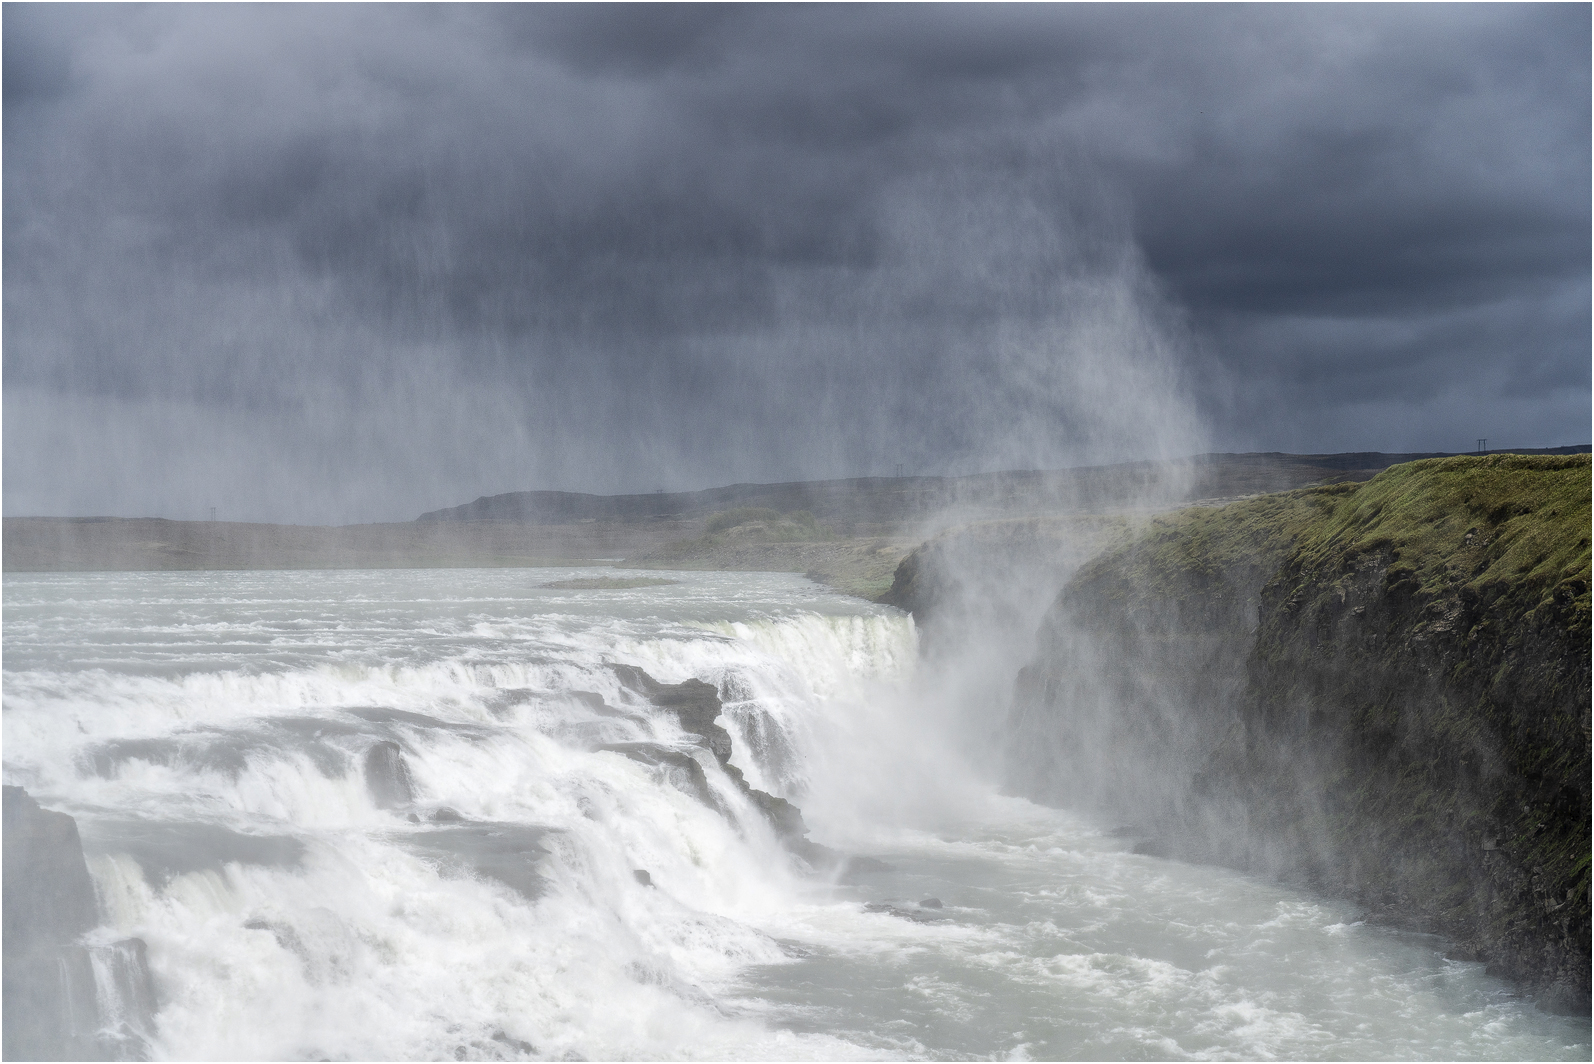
(390, 815)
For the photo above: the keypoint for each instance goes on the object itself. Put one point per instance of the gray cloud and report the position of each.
(617, 247)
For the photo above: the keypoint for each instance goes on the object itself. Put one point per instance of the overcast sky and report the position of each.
(324, 264)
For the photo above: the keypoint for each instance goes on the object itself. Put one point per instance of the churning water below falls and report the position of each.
(407, 815)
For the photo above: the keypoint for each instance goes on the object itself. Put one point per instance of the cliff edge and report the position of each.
(1380, 691)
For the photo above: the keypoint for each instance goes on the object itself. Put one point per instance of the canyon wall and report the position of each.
(1378, 691)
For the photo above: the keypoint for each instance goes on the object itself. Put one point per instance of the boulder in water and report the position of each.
(896, 910)
(387, 777)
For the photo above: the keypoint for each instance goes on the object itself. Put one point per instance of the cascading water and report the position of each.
(422, 815)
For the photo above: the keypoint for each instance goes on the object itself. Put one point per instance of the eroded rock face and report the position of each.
(697, 705)
(48, 904)
(49, 898)
(679, 765)
(1378, 691)
(1434, 749)
(387, 777)
(54, 1006)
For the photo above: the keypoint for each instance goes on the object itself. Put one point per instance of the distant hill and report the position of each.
(887, 500)
(868, 523)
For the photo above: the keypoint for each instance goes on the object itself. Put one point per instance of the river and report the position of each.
(402, 814)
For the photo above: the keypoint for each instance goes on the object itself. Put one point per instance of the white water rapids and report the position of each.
(213, 734)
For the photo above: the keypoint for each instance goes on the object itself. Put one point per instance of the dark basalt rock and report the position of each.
(786, 818)
(49, 898)
(53, 1009)
(697, 705)
(441, 815)
(48, 903)
(680, 766)
(387, 777)
(916, 915)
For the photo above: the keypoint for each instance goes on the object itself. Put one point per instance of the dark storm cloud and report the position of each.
(399, 256)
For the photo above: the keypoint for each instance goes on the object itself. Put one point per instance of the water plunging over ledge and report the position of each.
(419, 814)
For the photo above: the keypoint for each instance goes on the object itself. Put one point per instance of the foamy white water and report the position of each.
(213, 733)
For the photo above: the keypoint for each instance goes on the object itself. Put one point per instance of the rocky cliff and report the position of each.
(1380, 691)
(65, 998)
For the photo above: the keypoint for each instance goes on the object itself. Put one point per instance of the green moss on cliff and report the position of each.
(1503, 524)
(1513, 526)
(1178, 553)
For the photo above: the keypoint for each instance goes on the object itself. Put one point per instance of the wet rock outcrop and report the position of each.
(695, 703)
(63, 999)
(697, 706)
(1379, 691)
(387, 776)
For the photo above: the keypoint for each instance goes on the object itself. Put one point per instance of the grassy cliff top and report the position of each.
(1516, 525)
(1197, 547)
